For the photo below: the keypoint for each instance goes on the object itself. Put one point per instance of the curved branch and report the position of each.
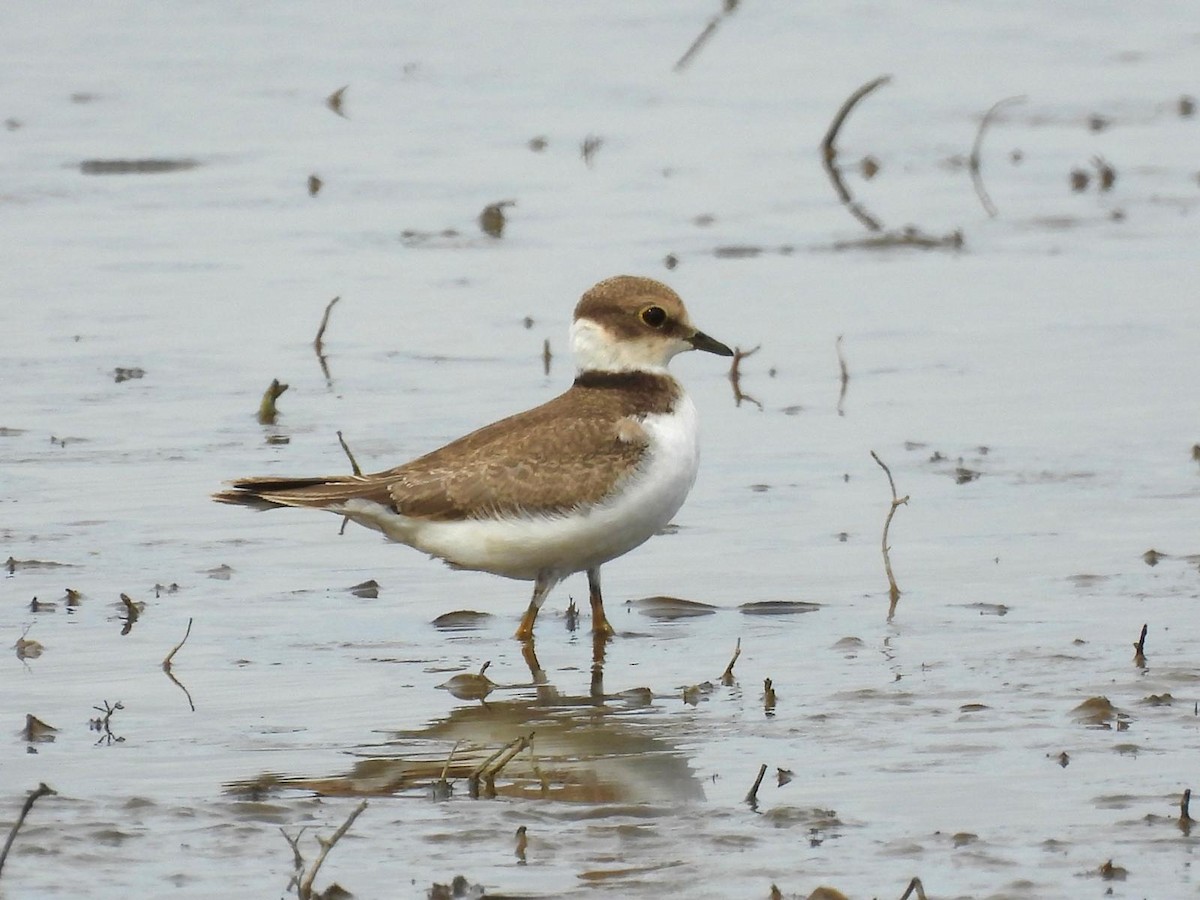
(829, 153)
(973, 162)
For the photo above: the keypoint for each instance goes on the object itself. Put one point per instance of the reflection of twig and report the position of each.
(829, 153)
(166, 665)
(492, 766)
(727, 677)
(36, 794)
(973, 162)
(735, 375)
(702, 38)
(893, 590)
(914, 885)
(837, 345)
(303, 881)
(752, 797)
(319, 340)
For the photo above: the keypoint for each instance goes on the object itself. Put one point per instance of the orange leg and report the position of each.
(600, 625)
(541, 589)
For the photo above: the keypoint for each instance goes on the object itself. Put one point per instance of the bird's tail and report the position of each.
(272, 492)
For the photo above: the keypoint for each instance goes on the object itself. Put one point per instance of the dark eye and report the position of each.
(654, 316)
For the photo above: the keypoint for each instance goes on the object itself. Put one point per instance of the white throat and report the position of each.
(597, 350)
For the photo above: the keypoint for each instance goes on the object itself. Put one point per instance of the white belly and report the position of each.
(523, 547)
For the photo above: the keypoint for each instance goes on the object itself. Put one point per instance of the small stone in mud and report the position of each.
(1186, 106)
(671, 607)
(777, 607)
(121, 373)
(314, 185)
(135, 166)
(1079, 180)
(538, 144)
(366, 589)
(1152, 556)
(492, 220)
(461, 620)
(470, 686)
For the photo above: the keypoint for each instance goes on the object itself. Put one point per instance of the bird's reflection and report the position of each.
(536, 742)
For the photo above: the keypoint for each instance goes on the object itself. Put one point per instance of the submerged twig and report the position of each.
(837, 346)
(735, 375)
(703, 37)
(267, 411)
(973, 161)
(319, 341)
(36, 794)
(727, 677)
(166, 665)
(829, 153)
(752, 797)
(893, 590)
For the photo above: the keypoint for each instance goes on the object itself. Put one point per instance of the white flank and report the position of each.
(522, 546)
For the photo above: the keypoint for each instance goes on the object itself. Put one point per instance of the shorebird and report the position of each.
(561, 488)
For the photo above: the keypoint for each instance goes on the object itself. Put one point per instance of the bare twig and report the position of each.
(166, 666)
(893, 590)
(36, 794)
(267, 411)
(546, 357)
(727, 677)
(837, 345)
(334, 100)
(166, 663)
(350, 456)
(297, 856)
(752, 797)
(1139, 647)
(829, 153)
(974, 163)
(703, 37)
(914, 885)
(319, 340)
(132, 612)
(304, 889)
(735, 375)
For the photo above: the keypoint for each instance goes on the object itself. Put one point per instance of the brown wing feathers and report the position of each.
(571, 451)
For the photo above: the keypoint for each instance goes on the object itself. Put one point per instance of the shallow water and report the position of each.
(1033, 394)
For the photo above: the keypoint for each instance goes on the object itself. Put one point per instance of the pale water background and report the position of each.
(1064, 338)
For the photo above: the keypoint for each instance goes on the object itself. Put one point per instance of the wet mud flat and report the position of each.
(969, 254)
